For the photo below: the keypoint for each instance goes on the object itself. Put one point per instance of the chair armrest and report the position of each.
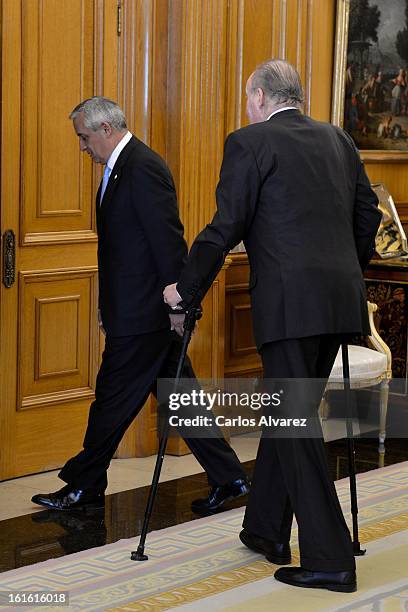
(375, 339)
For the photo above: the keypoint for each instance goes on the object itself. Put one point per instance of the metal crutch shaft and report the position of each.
(358, 551)
(192, 316)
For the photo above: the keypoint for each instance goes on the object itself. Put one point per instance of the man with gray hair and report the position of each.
(141, 249)
(296, 192)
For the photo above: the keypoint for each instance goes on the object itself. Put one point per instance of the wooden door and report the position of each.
(54, 54)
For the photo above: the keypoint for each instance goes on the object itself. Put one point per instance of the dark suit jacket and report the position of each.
(141, 248)
(296, 192)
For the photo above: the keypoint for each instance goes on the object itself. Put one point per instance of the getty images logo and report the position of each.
(207, 400)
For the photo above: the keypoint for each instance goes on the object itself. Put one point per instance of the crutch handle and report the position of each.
(193, 315)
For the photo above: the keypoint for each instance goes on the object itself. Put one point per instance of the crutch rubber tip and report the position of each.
(357, 550)
(138, 555)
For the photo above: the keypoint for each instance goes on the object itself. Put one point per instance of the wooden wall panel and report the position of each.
(261, 40)
(56, 306)
(47, 437)
(241, 333)
(304, 41)
(160, 85)
(57, 201)
(241, 357)
(320, 45)
(235, 43)
(197, 51)
(136, 69)
(258, 31)
(290, 25)
(54, 315)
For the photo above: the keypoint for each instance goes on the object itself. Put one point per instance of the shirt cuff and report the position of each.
(178, 306)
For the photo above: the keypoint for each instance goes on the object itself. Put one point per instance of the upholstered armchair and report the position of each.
(368, 367)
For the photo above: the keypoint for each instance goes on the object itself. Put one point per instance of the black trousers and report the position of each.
(291, 474)
(128, 373)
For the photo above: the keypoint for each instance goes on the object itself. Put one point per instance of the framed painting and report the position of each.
(370, 76)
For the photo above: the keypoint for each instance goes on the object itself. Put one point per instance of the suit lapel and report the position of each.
(110, 187)
(114, 179)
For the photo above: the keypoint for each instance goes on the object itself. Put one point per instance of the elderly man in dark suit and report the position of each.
(141, 249)
(296, 192)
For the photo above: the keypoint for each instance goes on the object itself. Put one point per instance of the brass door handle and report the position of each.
(9, 258)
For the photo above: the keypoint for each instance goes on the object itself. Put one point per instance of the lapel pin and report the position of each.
(115, 177)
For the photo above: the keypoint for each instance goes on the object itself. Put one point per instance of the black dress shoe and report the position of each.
(69, 498)
(345, 582)
(221, 494)
(274, 551)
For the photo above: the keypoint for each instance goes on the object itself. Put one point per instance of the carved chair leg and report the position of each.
(384, 389)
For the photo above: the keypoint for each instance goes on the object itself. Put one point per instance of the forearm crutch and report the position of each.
(193, 314)
(351, 451)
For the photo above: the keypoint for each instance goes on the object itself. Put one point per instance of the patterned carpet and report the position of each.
(203, 566)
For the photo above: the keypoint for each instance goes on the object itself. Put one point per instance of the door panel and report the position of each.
(54, 54)
(56, 305)
(57, 71)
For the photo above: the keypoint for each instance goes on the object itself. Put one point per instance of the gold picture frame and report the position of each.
(340, 70)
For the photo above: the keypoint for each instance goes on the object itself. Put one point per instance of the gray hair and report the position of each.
(279, 81)
(98, 110)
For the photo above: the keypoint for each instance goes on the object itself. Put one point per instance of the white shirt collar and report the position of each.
(280, 110)
(118, 150)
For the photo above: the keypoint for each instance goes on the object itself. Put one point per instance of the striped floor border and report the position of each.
(246, 574)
